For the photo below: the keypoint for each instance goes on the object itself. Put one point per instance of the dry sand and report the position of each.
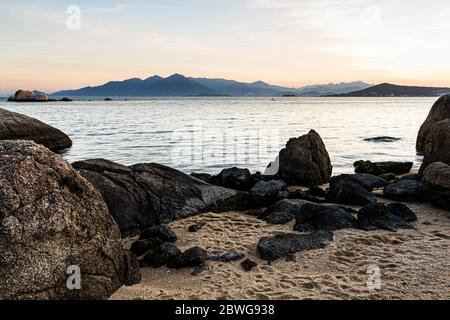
(415, 264)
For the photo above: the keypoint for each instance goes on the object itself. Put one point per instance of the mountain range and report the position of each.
(180, 86)
(392, 90)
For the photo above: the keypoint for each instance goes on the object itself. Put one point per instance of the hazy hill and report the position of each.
(392, 90)
(180, 86)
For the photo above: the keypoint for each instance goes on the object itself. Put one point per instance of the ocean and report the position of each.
(209, 134)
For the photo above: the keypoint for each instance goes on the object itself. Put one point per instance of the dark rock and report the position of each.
(379, 168)
(66, 99)
(440, 111)
(350, 193)
(402, 211)
(236, 179)
(227, 256)
(283, 211)
(305, 161)
(317, 192)
(15, 126)
(313, 217)
(160, 255)
(377, 216)
(389, 177)
(50, 219)
(365, 180)
(132, 274)
(198, 270)
(190, 258)
(108, 99)
(265, 193)
(407, 189)
(437, 145)
(195, 227)
(248, 265)
(140, 247)
(145, 195)
(436, 183)
(286, 245)
(304, 195)
(160, 232)
(205, 177)
(382, 139)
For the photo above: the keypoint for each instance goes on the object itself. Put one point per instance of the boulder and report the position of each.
(440, 111)
(407, 189)
(283, 211)
(140, 247)
(305, 195)
(24, 96)
(160, 232)
(365, 180)
(193, 257)
(305, 161)
(437, 145)
(235, 178)
(265, 193)
(350, 193)
(160, 255)
(402, 211)
(436, 183)
(379, 168)
(144, 195)
(15, 126)
(378, 216)
(52, 221)
(313, 217)
(287, 245)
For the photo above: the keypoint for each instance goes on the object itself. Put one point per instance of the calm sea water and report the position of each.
(208, 134)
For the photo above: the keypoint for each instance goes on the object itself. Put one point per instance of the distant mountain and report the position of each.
(392, 90)
(332, 88)
(180, 86)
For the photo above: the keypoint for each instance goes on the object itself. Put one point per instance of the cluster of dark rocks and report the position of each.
(54, 215)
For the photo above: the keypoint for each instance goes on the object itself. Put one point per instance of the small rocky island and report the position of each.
(33, 96)
(148, 231)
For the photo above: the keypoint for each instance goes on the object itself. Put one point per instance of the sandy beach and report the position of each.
(414, 264)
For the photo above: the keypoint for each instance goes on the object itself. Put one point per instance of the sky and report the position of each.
(47, 45)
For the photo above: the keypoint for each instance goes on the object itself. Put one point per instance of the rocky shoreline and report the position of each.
(113, 221)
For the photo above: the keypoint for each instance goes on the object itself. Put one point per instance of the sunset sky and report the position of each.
(284, 42)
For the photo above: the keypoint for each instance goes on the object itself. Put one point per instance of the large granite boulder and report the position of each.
(305, 161)
(437, 145)
(53, 222)
(440, 111)
(15, 126)
(28, 96)
(380, 168)
(436, 183)
(144, 195)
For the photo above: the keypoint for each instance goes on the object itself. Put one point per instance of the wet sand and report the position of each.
(414, 264)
